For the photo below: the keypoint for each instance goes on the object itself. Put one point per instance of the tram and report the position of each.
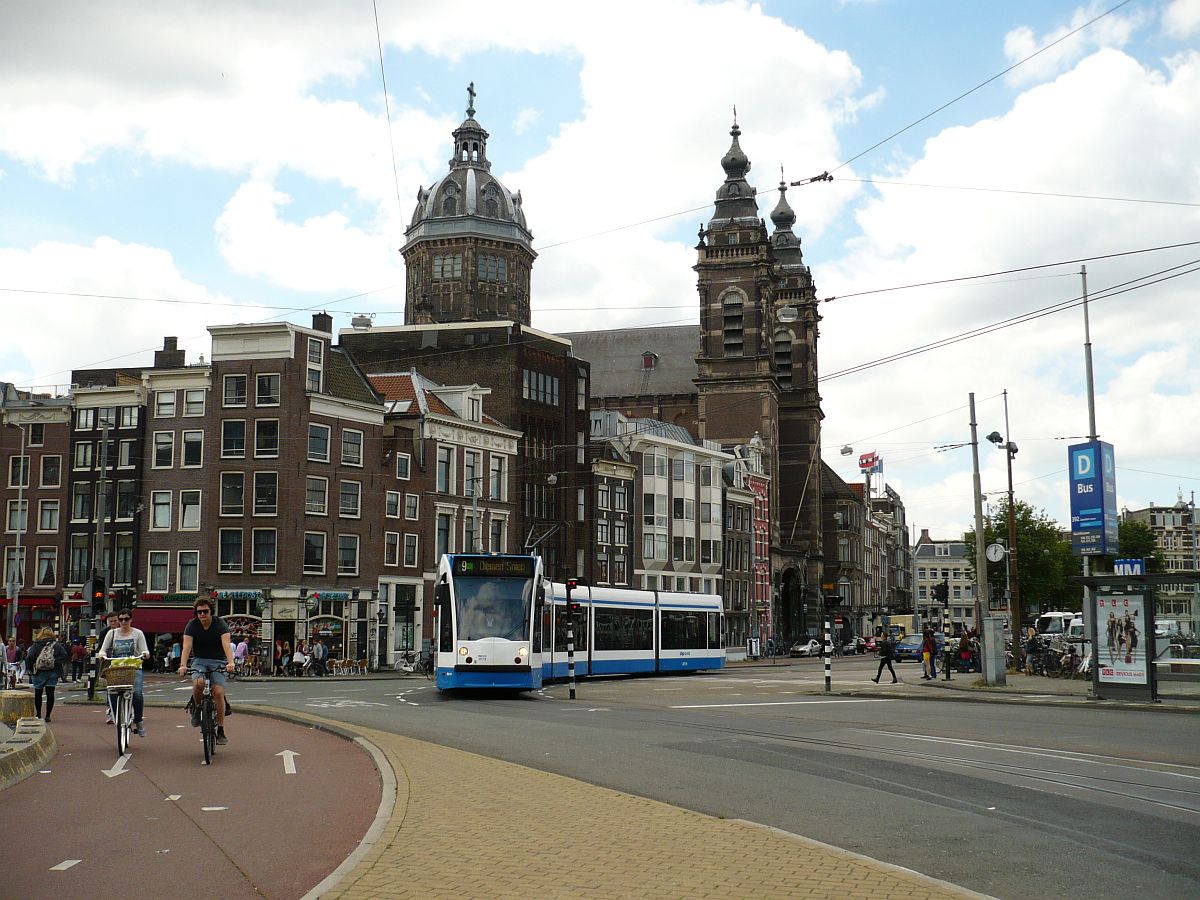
(500, 624)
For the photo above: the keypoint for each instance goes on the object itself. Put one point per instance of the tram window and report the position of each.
(560, 631)
(684, 630)
(445, 623)
(538, 619)
(714, 631)
(624, 629)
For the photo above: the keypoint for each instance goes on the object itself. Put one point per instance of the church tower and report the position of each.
(468, 252)
(757, 372)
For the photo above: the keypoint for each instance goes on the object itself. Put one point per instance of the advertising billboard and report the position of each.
(1121, 639)
(1093, 482)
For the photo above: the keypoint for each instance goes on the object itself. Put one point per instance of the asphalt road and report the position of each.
(1013, 801)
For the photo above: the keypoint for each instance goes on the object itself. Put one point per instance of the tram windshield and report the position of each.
(493, 607)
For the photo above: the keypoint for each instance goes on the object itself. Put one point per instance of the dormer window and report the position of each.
(649, 360)
(474, 409)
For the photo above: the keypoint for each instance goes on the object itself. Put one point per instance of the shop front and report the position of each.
(295, 615)
(33, 614)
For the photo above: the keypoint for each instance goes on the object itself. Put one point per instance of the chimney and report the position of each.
(925, 538)
(323, 321)
(170, 356)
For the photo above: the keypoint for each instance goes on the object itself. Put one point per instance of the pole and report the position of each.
(14, 577)
(1014, 584)
(828, 656)
(570, 649)
(1088, 612)
(980, 558)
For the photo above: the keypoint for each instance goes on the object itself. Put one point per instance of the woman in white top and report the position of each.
(124, 641)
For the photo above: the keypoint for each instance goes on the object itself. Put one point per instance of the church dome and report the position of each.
(468, 198)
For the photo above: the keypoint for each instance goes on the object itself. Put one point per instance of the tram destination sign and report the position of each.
(494, 566)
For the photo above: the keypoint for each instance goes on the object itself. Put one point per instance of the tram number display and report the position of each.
(494, 567)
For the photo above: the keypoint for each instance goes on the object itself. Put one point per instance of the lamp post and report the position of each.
(1014, 600)
(380, 633)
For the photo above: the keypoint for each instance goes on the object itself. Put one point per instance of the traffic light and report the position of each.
(941, 591)
(572, 605)
(98, 594)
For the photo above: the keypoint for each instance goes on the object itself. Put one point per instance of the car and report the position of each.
(854, 645)
(806, 648)
(870, 645)
(909, 648)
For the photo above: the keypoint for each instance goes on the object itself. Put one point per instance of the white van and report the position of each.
(1056, 624)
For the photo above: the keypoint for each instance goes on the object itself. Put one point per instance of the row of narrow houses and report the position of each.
(310, 481)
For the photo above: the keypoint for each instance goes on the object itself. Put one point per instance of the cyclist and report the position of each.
(125, 640)
(207, 636)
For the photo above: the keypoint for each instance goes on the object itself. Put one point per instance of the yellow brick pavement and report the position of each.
(473, 827)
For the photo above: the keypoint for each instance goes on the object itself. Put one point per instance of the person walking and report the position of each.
(286, 660)
(78, 658)
(45, 659)
(927, 650)
(887, 652)
(277, 659)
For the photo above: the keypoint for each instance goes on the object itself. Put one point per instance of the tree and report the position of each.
(1044, 561)
(1136, 541)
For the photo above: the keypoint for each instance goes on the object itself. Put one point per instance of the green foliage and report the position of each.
(1136, 541)
(1044, 560)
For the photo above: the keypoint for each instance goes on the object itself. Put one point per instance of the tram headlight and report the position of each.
(523, 652)
(462, 651)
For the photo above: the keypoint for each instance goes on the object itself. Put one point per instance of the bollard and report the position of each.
(947, 661)
(828, 648)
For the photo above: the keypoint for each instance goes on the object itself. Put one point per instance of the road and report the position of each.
(1010, 800)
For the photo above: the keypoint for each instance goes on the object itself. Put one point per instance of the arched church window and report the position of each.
(492, 209)
(449, 207)
(732, 326)
(735, 189)
(783, 357)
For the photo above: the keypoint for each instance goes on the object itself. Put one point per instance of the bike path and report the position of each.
(245, 826)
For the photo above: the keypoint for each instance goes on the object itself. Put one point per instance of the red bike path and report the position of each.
(167, 824)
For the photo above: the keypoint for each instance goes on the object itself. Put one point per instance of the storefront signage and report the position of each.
(187, 599)
(238, 595)
(282, 609)
(330, 595)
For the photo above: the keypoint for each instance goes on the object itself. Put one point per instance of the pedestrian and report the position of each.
(287, 656)
(299, 657)
(10, 663)
(78, 658)
(176, 650)
(277, 659)
(887, 652)
(46, 659)
(239, 655)
(927, 650)
(320, 653)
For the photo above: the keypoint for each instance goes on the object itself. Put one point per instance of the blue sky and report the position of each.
(236, 156)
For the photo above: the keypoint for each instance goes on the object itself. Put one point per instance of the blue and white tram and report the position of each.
(628, 632)
(485, 610)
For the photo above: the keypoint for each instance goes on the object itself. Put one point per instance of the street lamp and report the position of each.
(1014, 600)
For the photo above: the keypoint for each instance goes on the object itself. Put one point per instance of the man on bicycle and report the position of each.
(207, 637)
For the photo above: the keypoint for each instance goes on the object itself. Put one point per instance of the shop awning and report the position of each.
(162, 618)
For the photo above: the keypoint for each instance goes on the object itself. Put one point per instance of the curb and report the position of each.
(31, 746)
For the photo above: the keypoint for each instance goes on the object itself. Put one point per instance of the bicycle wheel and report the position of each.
(208, 728)
(122, 722)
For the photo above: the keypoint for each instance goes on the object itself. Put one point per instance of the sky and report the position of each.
(165, 167)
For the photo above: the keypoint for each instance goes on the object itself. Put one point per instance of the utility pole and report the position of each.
(1092, 436)
(1014, 586)
(985, 643)
(18, 569)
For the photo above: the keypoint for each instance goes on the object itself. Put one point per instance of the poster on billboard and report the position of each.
(1121, 644)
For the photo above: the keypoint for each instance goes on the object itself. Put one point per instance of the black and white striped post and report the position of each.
(828, 657)
(572, 606)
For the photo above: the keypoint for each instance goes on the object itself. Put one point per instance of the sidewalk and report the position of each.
(469, 826)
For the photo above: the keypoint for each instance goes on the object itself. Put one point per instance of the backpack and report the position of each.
(45, 659)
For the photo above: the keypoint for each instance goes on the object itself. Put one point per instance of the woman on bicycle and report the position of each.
(207, 636)
(125, 640)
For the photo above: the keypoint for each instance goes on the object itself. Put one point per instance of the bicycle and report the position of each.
(406, 664)
(429, 665)
(208, 718)
(120, 679)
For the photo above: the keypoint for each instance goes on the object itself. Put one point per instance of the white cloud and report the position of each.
(1113, 30)
(54, 334)
(526, 118)
(1181, 18)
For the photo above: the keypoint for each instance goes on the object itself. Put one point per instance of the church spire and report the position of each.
(735, 198)
(784, 241)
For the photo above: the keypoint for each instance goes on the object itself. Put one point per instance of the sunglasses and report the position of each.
(123, 618)
(204, 612)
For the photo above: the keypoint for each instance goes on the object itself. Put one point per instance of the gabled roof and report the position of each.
(833, 486)
(343, 378)
(618, 360)
(410, 392)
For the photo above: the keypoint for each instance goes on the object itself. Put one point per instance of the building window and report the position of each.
(732, 325)
(314, 553)
(619, 573)
(189, 510)
(496, 536)
(412, 506)
(619, 533)
(159, 567)
(602, 531)
(193, 403)
(46, 573)
(230, 558)
(403, 466)
(471, 476)
(581, 393)
(126, 499)
(128, 417)
(391, 505)
(350, 500)
(263, 559)
(447, 266)
(783, 357)
(51, 471)
(164, 449)
(81, 501)
(318, 443)
(164, 404)
(445, 469)
(491, 268)
(474, 409)
(266, 493)
(266, 438)
(316, 495)
(235, 390)
(189, 571)
(410, 550)
(443, 535)
(347, 554)
(603, 494)
(192, 449)
(233, 493)
(540, 387)
(620, 498)
(84, 455)
(160, 510)
(266, 390)
(496, 478)
(352, 448)
(48, 515)
(391, 548)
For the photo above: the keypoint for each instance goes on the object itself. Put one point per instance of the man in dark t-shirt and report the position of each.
(206, 638)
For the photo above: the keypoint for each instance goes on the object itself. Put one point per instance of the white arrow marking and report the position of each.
(289, 761)
(65, 864)
(118, 767)
(213, 808)
(172, 796)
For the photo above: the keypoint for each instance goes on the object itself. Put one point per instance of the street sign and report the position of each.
(1093, 484)
(837, 621)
